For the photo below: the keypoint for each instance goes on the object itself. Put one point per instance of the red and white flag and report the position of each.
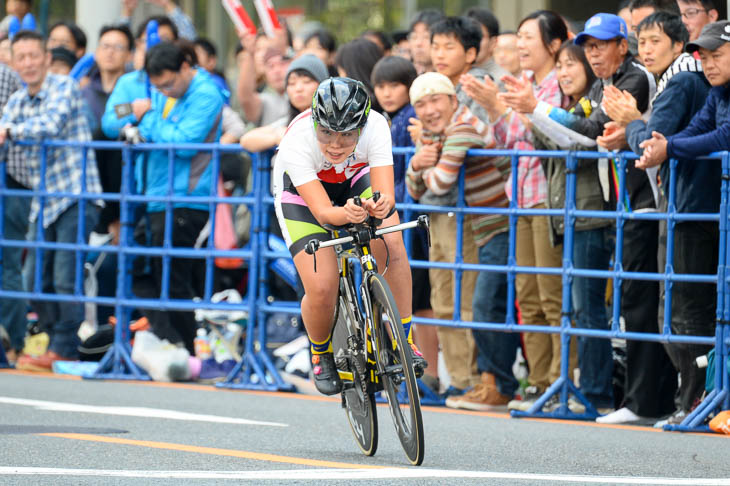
(267, 15)
(239, 16)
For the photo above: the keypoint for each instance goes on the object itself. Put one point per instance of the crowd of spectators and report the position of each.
(653, 78)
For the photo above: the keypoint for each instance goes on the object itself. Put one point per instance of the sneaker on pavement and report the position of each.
(453, 395)
(675, 419)
(419, 362)
(620, 416)
(484, 396)
(43, 362)
(326, 378)
(577, 407)
(531, 395)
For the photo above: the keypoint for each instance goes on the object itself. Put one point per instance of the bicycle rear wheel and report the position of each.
(357, 399)
(396, 367)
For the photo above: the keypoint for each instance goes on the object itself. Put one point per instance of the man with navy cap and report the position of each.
(605, 45)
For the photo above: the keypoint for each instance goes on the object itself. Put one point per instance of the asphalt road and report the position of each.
(69, 431)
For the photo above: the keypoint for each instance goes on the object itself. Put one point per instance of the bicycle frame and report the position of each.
(363, 355)
(360, 235)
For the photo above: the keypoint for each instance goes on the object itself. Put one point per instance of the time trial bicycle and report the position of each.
(369, 343)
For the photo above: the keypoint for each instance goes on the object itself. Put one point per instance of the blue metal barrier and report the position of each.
(256, 370)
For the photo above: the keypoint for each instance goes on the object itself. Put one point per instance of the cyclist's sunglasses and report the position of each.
(326, 136)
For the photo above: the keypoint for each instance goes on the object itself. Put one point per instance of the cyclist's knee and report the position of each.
(322, 291)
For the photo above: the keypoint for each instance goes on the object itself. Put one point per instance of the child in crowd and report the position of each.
(391, 79)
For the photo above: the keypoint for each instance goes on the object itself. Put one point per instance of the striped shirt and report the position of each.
(511, 132)
(484, 176)
(56, 112)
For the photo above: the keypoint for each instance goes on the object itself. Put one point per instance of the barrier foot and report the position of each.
(255, 372)
(4, 363)
(565, 387)
(274, 372)
(117, 364)
(694, 422)
(718, 399)
(428, 396)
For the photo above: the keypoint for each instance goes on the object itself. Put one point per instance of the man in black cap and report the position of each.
(693, 305)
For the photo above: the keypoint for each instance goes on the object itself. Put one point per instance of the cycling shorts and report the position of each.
(298, 224)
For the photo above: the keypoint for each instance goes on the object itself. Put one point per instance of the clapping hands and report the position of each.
(520, 95)
(483, 91)
(620, 106)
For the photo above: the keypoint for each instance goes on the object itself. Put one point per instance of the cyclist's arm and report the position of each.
(381, 180)
(379, 150)
(321, 207)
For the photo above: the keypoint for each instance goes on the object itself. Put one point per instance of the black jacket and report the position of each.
(109, 162)
(634, 78)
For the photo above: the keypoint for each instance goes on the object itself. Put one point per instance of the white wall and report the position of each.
(92, 15)
(510, 12)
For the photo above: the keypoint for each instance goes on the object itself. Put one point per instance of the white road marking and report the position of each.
(134, 412)
(353, 474)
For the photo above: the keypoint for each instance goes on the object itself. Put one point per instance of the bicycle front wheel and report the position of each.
(396, 368)
(358, 400)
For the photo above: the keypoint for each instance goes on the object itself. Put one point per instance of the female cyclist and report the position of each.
(329, 155)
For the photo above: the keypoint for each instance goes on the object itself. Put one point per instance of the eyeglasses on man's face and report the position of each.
(691, 13)
(597, 44)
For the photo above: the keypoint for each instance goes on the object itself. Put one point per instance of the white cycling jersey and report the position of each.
(300, 157)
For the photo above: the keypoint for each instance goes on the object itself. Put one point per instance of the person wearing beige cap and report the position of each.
(450, 129)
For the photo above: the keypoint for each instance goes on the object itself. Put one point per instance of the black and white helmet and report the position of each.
(341, 104)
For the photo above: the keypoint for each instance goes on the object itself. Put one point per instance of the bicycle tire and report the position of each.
(396, 366)
(359, 405)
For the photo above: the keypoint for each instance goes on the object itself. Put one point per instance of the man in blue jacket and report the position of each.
(186, 108)
(696, 243)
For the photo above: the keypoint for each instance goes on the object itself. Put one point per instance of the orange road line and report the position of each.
(40, 374)
(257, 456)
